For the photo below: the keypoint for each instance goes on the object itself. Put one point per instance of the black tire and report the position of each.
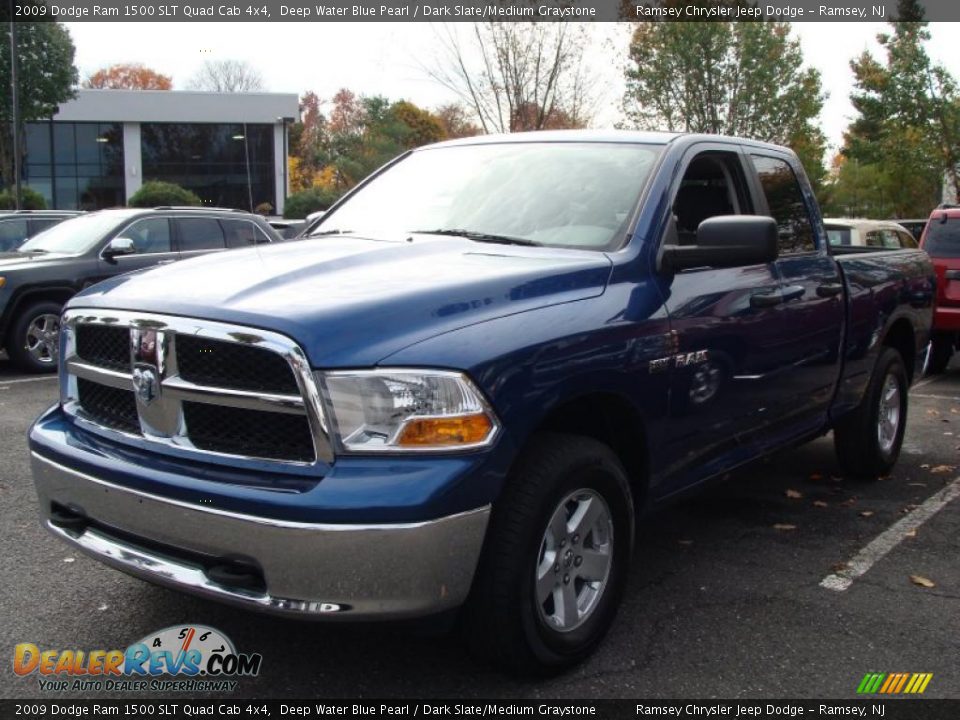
(18, 341)
(860, 451)
(502, 622)
(941, 350)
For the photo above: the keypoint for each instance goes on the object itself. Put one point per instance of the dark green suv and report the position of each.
(47, 270)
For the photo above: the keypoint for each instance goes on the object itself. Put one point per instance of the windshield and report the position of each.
(74, 236)
(556, 194)
(943, 238)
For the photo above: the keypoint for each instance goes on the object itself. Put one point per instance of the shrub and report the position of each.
(31, 199)
(156, 193)
(302, 203)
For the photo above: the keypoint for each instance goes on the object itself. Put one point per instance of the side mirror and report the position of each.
(725, 241)
(119, 246)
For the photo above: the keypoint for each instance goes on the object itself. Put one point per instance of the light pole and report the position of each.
(15, 103)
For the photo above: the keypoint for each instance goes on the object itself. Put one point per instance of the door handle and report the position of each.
(766, 299)
(792, 292)
(829, 290)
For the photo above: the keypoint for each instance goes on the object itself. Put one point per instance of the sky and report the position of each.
(390, 58)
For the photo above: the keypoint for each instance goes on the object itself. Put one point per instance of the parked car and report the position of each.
(504, 350)
(856, 232)
(16, 226)
(47, 270)
(941, 240)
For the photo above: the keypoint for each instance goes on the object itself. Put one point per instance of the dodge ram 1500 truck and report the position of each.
(462, 390)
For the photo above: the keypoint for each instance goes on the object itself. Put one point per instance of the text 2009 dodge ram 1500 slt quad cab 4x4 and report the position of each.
(492, 354)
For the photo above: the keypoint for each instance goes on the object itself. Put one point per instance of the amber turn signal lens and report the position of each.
(445, 432)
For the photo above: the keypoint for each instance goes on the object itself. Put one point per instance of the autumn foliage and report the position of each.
(341, 141)
(128, 76)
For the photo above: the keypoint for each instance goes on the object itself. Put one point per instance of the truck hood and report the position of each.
(17, 260)
(351, 301)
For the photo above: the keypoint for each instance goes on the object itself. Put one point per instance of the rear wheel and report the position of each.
(941, 350)
(555, 561)
(868, 440)
(34, 339)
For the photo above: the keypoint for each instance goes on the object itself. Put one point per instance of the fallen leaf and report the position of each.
(685, 542)
(922, 581)
(910, 533)
(908, 509)
(955, 411)
(69, 560)
(925, 466)
(867, 513)
(103, 607)
(849, 502)
(814, 477)
(836, 479)
(793, 494)
(949, 433)
(784, 526)
(820, 503)
(941, 469)
(839, 567)
(933, 413)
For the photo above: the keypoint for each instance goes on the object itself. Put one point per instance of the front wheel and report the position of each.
(555, 561)
(34, 339)
(868, 440)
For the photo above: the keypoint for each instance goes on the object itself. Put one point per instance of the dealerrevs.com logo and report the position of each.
(201, 658)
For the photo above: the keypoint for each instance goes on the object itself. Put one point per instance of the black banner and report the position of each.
(899, 709)
(469, 10)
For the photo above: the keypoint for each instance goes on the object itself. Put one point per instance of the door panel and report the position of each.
(728, 339)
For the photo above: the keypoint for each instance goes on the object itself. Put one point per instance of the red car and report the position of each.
(941, 240)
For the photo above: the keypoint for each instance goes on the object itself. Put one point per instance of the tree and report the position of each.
(517, 75)
(456, 122)
(908, 115)
(333, 153)
(227, 76)
(128, 76)
(731, 78)
(46, 77)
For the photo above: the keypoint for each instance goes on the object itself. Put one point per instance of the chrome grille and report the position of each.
(104, 346)
(227, 364)
(192, 386)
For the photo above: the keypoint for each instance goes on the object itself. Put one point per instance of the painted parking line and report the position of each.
(26, 380)
(954, 398)
(890, 538)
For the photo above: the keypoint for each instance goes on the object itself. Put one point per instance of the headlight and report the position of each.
(406, 410)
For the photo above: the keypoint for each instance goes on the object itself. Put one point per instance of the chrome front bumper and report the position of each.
(328, 571)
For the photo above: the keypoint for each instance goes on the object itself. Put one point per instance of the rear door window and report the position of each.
(838, 236)
(943, 237)
(874, 239)
(787, 205)
(200, 234)
(242, 233)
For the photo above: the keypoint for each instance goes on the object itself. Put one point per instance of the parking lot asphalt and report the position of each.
(725, 598)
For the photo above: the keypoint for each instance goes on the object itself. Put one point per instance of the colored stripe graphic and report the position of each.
(894, 683)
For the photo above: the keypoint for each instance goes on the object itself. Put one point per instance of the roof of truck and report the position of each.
(597, 136)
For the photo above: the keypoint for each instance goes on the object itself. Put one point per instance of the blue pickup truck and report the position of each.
(464, 389)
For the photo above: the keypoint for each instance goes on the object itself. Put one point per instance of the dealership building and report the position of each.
(228, 148)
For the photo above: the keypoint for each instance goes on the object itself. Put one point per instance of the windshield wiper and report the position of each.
(480, 236)
(329, 232)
